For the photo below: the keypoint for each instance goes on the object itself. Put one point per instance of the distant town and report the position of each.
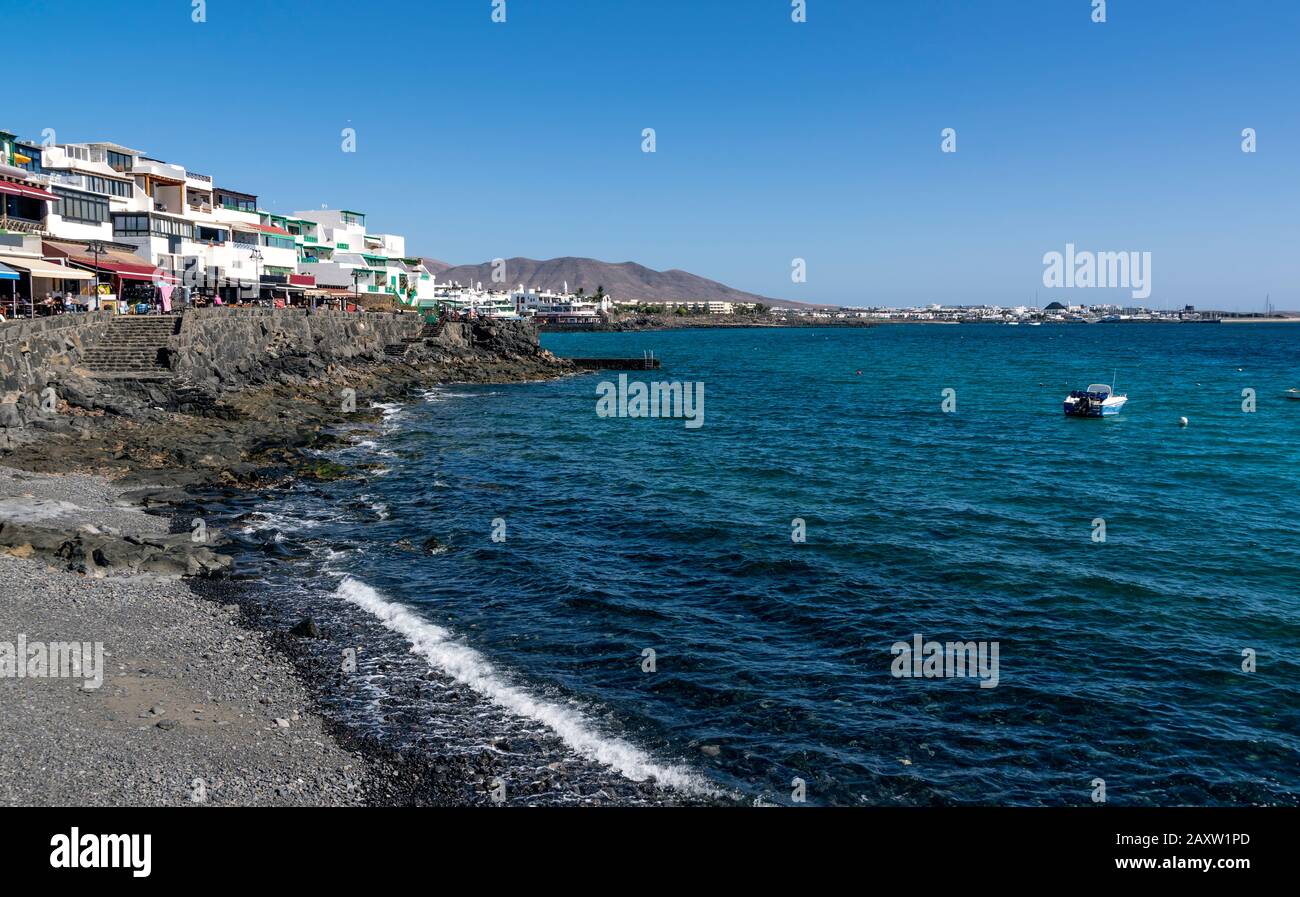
(1052, 313)
(101, 226)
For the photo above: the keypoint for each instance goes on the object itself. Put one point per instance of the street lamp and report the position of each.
(257, 271)
(97, 248)
(356, 297)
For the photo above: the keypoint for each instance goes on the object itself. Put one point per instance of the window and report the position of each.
(120, 161)
(130, 225)
(171, 227)
(96, 184)
(73, 206)
(33, 154)
(150, 225)
(279, 242)
(236, 202)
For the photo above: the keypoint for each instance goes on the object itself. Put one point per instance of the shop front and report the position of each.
(124, 282)
(41, 287)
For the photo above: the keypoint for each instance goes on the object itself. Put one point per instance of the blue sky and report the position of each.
(775, 140)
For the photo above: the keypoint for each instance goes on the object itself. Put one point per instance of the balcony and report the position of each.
(66, 179)
(163, 170)
(21, 225)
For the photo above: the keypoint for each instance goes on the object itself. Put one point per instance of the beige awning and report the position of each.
(41, 268)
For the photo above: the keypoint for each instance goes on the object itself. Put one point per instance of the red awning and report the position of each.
(23, 190)
(149, 275)
(125, 270)
(262, 229)
(303, 280)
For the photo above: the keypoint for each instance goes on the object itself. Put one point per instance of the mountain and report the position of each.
(435, 266)
(622, 280)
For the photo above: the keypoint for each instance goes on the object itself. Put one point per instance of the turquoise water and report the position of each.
(1119, 660)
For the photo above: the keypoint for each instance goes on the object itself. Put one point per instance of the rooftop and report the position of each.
(116, 147)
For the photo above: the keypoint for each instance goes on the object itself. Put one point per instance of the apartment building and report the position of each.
(338, 250)
(148, 226)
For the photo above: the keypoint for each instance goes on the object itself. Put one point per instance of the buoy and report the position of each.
(1182, 421)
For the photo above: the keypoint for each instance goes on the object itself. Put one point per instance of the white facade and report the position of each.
(560, 308)
(347, 255)
(90, 190)
(182, 222)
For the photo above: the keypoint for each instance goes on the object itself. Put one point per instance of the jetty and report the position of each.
(647, 362)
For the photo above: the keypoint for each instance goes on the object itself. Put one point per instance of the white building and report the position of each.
(141, 221)
(546, 307)
(339, 252)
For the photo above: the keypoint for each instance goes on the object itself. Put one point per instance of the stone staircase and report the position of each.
(398, 350)
(132, 348)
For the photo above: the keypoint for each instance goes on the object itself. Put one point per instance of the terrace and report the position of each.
(22, 208)
(234, 201)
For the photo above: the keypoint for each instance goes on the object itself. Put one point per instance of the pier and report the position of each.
(647, 362)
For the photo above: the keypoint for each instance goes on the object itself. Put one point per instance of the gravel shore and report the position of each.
(193, 707)
(209, 690)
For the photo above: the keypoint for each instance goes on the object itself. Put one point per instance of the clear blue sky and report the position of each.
(775, 140)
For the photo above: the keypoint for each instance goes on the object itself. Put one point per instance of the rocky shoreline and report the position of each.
(195, 655)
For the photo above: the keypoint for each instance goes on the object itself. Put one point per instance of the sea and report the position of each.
(772, 603)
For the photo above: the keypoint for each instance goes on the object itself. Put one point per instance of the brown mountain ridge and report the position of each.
(622, 280)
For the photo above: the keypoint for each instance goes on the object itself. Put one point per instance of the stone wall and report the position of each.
(224, 348)
(38, 353)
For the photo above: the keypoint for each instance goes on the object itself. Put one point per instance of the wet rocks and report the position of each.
(94, 553)
(306, 628)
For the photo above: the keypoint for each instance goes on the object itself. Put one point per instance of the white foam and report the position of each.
(390, 410)
(281, 523)
(437, 394)
(466, 665)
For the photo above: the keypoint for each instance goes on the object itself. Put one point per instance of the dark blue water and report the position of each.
(1119, 660)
